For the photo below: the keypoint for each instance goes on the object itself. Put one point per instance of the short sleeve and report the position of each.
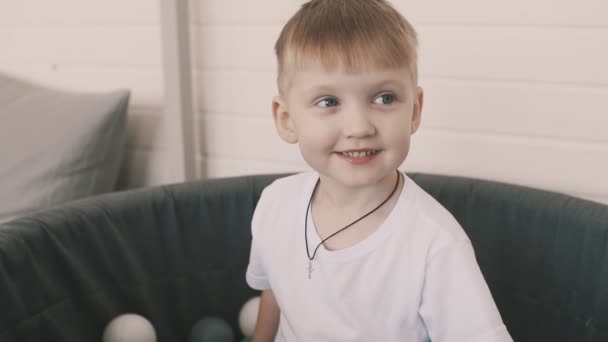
(456, 302)
(256, 275)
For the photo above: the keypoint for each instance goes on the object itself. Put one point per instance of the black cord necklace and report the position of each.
(310, 259)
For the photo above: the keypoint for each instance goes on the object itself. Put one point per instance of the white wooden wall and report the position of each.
(96, 46)
(516, 91)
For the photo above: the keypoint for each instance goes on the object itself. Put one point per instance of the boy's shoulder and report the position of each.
(292, 184)
(289, 187)
(281, 198)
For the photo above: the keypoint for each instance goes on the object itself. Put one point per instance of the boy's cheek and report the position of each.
(312, 136)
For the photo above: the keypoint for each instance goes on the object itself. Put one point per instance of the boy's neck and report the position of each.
(337, 196)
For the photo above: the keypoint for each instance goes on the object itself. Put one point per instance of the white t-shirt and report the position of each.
(414, 279)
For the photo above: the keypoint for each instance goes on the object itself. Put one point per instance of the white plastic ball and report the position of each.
(249, 316)
(129, 328)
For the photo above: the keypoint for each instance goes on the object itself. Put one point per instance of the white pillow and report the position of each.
(57, 146)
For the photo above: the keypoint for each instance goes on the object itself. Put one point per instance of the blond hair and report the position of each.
(349, 33)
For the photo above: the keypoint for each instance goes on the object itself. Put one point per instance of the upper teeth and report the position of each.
(358, 154)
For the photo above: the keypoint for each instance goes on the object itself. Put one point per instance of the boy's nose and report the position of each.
(358, 126)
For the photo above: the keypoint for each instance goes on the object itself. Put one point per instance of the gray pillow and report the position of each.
(57, 146)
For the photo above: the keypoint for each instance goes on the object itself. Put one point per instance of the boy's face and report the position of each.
(352, 127)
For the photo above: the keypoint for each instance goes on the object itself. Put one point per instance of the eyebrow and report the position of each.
(327, 89)
(318, 89)
(390, 82)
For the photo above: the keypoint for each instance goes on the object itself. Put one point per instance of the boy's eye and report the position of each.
(327, 102)
(384, 99)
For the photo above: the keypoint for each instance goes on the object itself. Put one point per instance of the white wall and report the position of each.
(96, 46)
(515, 90)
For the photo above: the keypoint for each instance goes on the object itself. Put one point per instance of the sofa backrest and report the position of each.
(176, 253)
(543, 254)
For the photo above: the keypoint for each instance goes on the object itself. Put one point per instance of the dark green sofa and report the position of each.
(177, 253)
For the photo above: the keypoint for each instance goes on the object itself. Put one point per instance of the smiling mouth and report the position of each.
(359, 154)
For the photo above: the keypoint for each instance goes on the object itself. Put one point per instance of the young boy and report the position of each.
(356, 251)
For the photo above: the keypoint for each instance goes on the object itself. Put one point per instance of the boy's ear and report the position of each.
(283, 121)
(417, 111)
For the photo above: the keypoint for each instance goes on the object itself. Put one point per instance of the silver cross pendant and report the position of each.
(310, 269)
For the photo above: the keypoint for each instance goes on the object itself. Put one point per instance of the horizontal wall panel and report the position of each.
(239, 137)
(515, 53)
(500, 12)
(486, 12)
(145, 84)
(544, 110)
(28, 13)
(223, 12)
(548, 164)
(143, 167)
(241, 47)
(229, 91)
(507, 53)
(222, 167)
(111, 46)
